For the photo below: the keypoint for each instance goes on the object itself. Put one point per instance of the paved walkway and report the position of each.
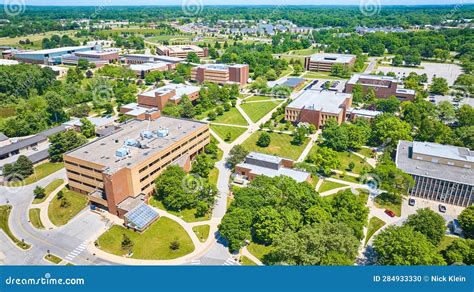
(43, 206)
(244, 252)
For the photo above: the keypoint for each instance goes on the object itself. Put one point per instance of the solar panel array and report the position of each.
(141, 216)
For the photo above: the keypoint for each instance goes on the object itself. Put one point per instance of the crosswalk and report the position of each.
(195, 262)
(231, 262)
(214, 262)
(80, 248)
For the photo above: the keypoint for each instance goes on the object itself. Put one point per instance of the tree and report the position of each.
(335, 136)
(397, 60)
(169, 189)
(299, 136)
(87, 128)
(439, 85)
(351, 166)
(466, 220)
(193, 58)
(428, 223)
(460, 251)
(235, 227)
(389, 105)
(55, 108)
(23, 166)
(388, 130)
(319, 244)
(175, 245)
(264, 140)
(393, 180)
(202, 165)
(401, 245)
(268, 224)
(127, 243)
(465, 115)
(39, 192)
(64, 142)
(325, 160)
(236, 155)
(446, 111)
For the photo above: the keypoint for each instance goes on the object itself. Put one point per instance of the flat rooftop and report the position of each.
(355, 78)
(181, 89)
(148, 66)
(155, 57)
(332, 58)
(443, 151)
(431, 169)
(265, 157)
(220, 67)
(181, 48)
(324, 101)
(103, 151)
(297, 175)
(56, 50)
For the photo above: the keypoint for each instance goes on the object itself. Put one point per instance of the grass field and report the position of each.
(232, 117)
(259, 250)
(346, 177)
(48, 190)
(259, 98)
(329, 185)
(365, 151)
(379, 202)
(60, 216)
(53, 259)
(35, 38)
(346, 158)
(202, 232)
(152, 244)
(305, 52)
(246, 261)
(258, 110)
(188, 215)
(35, 219)
(223, 131)
(280, 145)
(213, 176)
(4, 214)
(375, 224)
(40, 171)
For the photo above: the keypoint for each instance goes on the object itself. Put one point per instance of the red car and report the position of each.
(389, 213)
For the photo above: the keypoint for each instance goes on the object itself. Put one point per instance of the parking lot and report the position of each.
(452, 212)
(319, 84)
(448, 71)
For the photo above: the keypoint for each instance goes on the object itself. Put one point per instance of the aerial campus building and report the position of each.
(143, 64)
(324, 62)
(316, 107)
(256, 164)
(117, 172)
(182, 51)
(221, 73)
(442, 173)
(384, 86)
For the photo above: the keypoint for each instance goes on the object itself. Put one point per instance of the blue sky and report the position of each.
(236, 2)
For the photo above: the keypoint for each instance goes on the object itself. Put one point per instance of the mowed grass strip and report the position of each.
(232, 117)
(280, 145)
(225, 132)
(153, 244)
(51, 187)
(62, 215)
(202, 232)
(4, 215)
(35, 218)
(329, 185)
(375, 223)
(257, 110)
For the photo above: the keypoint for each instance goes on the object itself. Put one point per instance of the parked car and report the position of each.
(390, 213)
(442, 208)
(411, 202)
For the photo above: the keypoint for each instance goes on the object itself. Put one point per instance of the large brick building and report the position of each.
(324, 62)
(221, 73)
(182, 51)
(118, 171)
(384, 86)
(172, 92)
(316, 107)
(442, 173)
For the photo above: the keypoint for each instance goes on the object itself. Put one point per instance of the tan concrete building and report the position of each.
(324, 62)
(316, 107)
(117, 172)
(221, 73)
(182, 51)
(383, 86)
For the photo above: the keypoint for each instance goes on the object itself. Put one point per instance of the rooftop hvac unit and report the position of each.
(121, 152)
(162, 133)
(131, 142)
(147, 134)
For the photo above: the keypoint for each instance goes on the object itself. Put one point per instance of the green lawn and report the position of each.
(53, 259)
(202, 232)
(280, 145)
(152, 244)
(233, 117)
(41, 171)
(4, 214)
(365, 151)
(375, 224)
(379, 202)
(329, 185)
(257, 110)
(246, 261)
(188, 215)
(223, 131)
(259, 98)
(445, 242)
(48, 190)
(213, 176)
(60, 216)
(305, 52)
(259, 250)
(346, 177)
(347, 157)
(35, 218)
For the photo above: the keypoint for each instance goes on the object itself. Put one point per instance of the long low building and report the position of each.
(144, 58)
(121, 168)
(442, 173)
(316, 107)
(383, 86)
(98, 58)
(324, 62)
(182, 51)
(50, 56)
(221, 73)
(256, 164)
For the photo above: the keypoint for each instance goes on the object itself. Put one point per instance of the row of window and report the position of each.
(84, 175)
(83, 183)
(83, 166)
